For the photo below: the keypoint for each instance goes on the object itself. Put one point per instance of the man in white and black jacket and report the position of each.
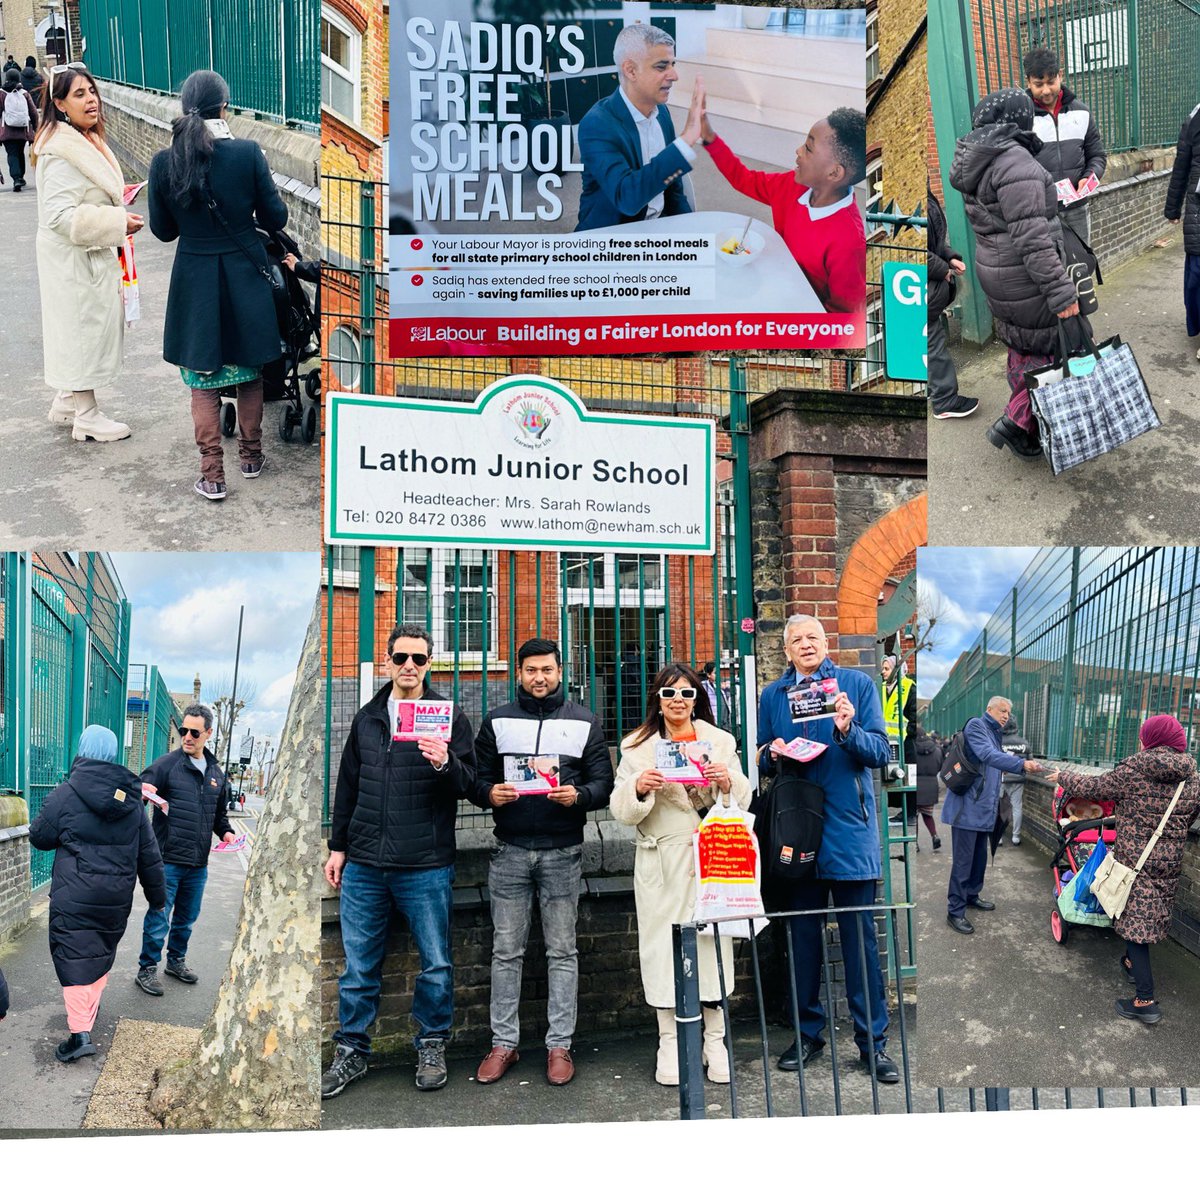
(539, 849)
(391, 847)
(188, 790)
(1071, 144)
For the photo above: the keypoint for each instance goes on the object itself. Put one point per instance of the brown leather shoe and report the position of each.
(497, 1062)
(559, 1067)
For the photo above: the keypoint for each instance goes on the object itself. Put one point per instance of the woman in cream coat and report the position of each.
(81, 222)
(664, 883)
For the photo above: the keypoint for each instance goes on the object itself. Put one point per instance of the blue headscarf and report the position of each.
(98, 742)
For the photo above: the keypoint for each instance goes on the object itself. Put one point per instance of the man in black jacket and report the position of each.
(187, 789)
(1072, 148)
(391, 846)
(539, 846)
(944, 264)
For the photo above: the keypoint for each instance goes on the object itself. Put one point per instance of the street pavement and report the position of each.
(1143, 493)
(39, 1092)
(136, 494)
(1009, 1006)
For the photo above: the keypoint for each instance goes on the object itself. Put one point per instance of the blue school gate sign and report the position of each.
(904, 321)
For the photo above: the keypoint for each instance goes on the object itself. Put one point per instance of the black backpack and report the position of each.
(791, 822)
(958, 771)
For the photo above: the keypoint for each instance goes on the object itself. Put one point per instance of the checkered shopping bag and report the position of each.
(1089, 402)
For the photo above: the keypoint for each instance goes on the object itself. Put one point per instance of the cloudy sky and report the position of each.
(185, 619)
(972, 581)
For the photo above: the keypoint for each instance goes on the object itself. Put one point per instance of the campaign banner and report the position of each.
(526, 467)
(812, 703)
(606, 184)
(532, 774)
(416, 719)
(683, 762)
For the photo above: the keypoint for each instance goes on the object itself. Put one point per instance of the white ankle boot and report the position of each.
(62, 409)
(716, 1057)
(666, 1068)
(90, 422)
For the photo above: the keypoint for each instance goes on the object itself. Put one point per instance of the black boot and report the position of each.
(78, 1045)
(1006, 432)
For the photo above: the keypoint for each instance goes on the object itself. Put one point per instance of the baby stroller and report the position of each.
(295, 378)
(1081, 826)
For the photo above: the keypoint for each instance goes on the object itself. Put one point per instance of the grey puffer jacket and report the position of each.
(1011, 205)
(1183, 192)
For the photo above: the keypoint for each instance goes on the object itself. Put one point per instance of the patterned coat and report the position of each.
(1141, 787)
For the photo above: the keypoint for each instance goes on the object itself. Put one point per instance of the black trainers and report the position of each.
(1148, 1014)
(78, 1045)
(431, 1066)
(960, 406)
(180, 970)
(789, 1060)
(147, 980)
(347, 1066)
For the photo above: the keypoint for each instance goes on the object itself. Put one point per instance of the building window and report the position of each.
(875, 174)
(872, 46)
(453, 614)
(341, 66)
(345, 356)
(872, 366)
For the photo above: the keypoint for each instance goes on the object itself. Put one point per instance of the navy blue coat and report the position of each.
(220, 310)
(196, 806)
(95, 823)
(977, 807)
(616, 186)
(850, 843)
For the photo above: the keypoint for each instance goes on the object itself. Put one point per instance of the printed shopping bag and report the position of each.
(726, 860)
(129, 283)
(1088, 403)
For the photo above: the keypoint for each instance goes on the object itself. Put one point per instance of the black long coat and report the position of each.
(219, 308)
(1183, 199)
(96, 825)
(929, 763)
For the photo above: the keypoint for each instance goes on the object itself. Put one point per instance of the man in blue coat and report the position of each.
(972, 815)
(633, 164)
(848, 863)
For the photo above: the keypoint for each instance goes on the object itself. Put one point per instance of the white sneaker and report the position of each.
(1016, 839)
(95, 425)
(62, 409)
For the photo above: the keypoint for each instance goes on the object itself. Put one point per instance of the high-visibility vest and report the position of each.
(894, 701)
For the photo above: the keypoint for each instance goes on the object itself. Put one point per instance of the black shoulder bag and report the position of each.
(958, 771)
(274, 277)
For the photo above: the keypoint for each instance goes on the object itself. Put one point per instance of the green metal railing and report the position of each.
(1087, 645)
(151, 713)
(1132, 62)
(267, 50)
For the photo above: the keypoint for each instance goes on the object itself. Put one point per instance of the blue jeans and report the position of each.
(185, 891)
(857, 934)
(367, 898)
(513, 876)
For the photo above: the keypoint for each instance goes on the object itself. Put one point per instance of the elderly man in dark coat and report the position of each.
(1012, 206)
(1141, 789)
(95, 823)
(971, 815)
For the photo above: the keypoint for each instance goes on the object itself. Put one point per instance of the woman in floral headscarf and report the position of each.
(1012, 207)
(1141, 788)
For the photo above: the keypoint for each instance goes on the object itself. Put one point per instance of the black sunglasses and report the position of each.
(400, 658)
(196, 733)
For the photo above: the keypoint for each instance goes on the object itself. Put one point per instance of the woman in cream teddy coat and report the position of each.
(664, 883)
(81, 222)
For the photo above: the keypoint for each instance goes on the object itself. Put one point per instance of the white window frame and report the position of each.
(356, 338)
(441, 593)
(606, 596)
(873, 71)
(874, 368)
(354, 75)
(874, 178)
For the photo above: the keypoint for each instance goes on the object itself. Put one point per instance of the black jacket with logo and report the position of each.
(1071, 144)
(392, 810)
(554, 725)
(195, 807)
(1011, 742)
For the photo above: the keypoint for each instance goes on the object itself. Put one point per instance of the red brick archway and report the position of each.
(872, 559)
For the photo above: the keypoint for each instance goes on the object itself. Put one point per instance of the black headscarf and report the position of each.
(1006, 114)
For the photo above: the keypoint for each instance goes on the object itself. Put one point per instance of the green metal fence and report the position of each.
(1133, 62)
(1089, 643)
(267, 50)
(151, 712)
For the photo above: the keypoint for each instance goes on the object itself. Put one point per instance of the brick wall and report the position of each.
(14, 865)
(1127, 217)
(1036, 823)
(138, 125)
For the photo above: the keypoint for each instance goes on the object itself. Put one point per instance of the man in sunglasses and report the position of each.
(539, 849)
(847, 867)
(391, 847)
(189, 808)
